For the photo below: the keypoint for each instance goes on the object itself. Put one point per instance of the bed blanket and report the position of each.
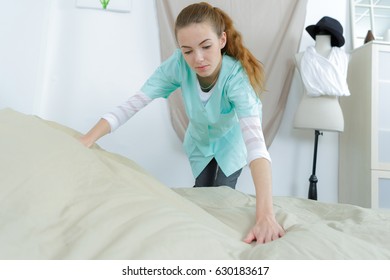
(60, 200)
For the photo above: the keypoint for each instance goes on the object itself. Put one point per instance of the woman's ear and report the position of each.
(223, 40)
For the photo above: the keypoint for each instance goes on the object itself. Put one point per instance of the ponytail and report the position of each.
(221, 22)
(234, 47)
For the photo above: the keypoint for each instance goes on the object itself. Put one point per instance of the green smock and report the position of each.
(213, 130)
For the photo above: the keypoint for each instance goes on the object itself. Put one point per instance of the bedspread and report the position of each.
(60, 200)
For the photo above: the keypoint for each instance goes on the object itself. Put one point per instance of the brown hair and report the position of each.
(221, 22)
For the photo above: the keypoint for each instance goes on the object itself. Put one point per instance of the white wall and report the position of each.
(22, 33)
(71, 65)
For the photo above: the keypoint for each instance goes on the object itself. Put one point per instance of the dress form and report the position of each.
(323, 112)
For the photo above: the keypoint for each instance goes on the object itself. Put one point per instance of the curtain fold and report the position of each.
(271, 30)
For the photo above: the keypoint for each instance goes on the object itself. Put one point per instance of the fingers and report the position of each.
(268, 237)
(83, 140)
(282, 232)
(262, 237)
(250, 237)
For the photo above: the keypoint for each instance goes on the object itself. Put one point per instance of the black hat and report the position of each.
(329, 26)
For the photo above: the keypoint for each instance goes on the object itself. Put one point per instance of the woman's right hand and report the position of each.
(99, 130)
(85, 141)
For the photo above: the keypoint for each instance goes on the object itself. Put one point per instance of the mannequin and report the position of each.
(323, 70)
(322, 112)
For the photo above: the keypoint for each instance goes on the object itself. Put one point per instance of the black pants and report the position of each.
(212, 176)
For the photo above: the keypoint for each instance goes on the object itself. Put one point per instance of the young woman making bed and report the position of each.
(220, 81)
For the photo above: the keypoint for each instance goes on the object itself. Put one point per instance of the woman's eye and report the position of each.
(187, 52)
(207, 47)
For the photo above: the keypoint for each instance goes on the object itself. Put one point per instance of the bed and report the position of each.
(60, 200)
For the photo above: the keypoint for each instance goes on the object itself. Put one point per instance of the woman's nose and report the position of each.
(199, 56)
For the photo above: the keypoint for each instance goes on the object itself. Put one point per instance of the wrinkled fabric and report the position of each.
(325, 76)
(61, 200)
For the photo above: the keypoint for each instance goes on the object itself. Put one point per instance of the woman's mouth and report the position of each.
(201, 68)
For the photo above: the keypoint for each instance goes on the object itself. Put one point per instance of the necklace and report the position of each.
(209, 86)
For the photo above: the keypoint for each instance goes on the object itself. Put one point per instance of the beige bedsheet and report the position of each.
(60, 200)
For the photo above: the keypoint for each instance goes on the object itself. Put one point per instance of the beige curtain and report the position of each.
(271, 29)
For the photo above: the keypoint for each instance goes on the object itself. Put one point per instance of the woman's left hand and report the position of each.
(265, 230)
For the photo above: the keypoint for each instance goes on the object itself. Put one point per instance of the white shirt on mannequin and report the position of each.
(323, 112)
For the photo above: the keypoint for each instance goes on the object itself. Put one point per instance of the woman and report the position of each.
(219, 79)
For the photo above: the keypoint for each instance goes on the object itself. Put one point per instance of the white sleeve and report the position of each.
(126, 110)
(254, 138)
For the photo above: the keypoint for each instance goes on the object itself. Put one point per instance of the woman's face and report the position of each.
(201, 48)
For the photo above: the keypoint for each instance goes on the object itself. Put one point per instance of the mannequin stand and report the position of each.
(313, 178)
